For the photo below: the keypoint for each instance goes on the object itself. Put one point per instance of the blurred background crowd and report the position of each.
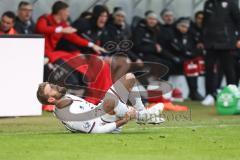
(205, 45)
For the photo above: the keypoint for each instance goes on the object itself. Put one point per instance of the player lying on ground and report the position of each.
(79, 115)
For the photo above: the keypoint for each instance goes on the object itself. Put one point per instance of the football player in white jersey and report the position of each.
(113, 112)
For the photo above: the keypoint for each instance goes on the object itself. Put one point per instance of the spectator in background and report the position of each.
(168, 22)
(7, 23)
(24, 23)
(166, 33)
(116, 32)
(55, 26)
(117, 28)
(184, 46)
(168, 17)
(196, 28)
(221, 30)
(90, 29)
(115, 9)
(145, 39)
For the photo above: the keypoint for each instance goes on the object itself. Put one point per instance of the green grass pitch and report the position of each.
(199, 135)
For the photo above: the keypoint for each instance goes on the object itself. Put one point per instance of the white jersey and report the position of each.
(95, 125)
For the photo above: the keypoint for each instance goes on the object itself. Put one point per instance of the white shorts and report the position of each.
(94, 126)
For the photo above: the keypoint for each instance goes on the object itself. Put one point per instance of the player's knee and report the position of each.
(130, 77)
(109, 104)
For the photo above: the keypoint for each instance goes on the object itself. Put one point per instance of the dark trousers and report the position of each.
(226, 62)
(192, 84)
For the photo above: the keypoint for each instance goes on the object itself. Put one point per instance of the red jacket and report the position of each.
(46, 25)
(99, 72)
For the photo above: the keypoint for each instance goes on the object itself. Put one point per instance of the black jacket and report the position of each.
(116, 33)
(145, 39)
(184, 45)
(24, 28)
(88, 30)
(221, 24)
(196, 31)
(166, 34)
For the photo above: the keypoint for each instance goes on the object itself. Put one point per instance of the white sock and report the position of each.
(121, 109)
(135, 98)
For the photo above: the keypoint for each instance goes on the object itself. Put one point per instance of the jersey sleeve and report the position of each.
(43, 27)
(77, 40)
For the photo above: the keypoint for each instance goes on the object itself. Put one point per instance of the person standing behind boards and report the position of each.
(221, 38)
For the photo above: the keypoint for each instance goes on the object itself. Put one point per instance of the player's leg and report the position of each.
(126, 89)
(143, 115)
(150, 115)
(115, 100)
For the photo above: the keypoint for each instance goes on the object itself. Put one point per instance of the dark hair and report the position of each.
(41, 96)
(98, 10)
(85, 14)
(198, 13)
(59, 5)
(115, 9)
(9, 14)
(148, 12)
(23, 3)
(164, 11)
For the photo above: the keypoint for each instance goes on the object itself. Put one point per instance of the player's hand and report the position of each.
(46, 60)
(124, 120)
(132, 113)
(139, 62)
(98, 49)
(127, 117)
(69, 30)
